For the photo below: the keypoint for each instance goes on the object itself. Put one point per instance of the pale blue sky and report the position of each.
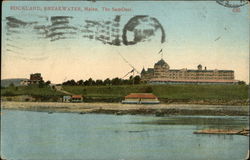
(196, 33)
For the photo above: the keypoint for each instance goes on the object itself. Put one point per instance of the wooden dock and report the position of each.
(247, 157)
(244, 132)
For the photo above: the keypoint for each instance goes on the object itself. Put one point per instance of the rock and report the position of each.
(119, 113)
(159, 114)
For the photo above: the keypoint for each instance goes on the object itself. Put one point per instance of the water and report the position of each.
(39, 135)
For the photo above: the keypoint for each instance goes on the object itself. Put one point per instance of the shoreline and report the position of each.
(165, 101)
(131, 109)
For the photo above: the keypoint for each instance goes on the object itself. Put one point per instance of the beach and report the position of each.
(133, 109)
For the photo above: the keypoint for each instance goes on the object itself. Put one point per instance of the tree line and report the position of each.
(107, 81)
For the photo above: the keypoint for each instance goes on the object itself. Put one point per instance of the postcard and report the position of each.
(125, 80)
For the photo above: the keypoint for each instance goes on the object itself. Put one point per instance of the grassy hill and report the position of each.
(165, 92)
(33, 90)
(201, 94)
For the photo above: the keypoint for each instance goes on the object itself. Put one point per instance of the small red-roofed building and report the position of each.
(76, 98)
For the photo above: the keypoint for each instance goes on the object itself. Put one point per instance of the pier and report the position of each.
(244, 132)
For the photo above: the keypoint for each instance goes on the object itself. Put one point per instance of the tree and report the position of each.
(48, 83)
(41, 84)
(137, 80)
(99, 82)
(107, 81)
(11, 84)
(70, 83)
(131, 80)
(131, 77)
(242, 83)
(116, 81)
(126, 81)
(80, 82)
(86, 83)
(91, 82)
(73, 82)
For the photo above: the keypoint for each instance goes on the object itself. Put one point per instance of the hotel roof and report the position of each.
(77, 96)
(151, 70)
(161, 62)
(192, 70)
(193, 80)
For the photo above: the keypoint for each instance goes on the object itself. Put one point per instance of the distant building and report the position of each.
(35, 78)
(140, 98)
(162, 74)
(73, 98)
(66, 99)
(24, 82)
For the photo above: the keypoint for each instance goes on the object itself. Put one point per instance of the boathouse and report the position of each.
(76, 98)
(140, 98)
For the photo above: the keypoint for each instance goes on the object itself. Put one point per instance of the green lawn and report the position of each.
(30, 90)
(175, 92)
(117, 93)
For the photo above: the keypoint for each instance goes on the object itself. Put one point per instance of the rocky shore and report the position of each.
(26, 98)
(133, 109)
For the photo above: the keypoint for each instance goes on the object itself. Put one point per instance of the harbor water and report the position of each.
(27, 135)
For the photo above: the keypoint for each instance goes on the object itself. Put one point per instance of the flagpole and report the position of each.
(160, 52)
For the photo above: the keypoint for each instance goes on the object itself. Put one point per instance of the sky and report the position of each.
(204, 33)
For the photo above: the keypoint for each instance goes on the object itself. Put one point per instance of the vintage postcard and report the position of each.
(125, 80)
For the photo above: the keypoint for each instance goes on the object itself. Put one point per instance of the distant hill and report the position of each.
(15, 81)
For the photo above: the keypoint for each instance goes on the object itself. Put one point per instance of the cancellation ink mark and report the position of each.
(108, 32)
(232, 4)
(18, 30)
(217, 38)
(60, 28)
(56, 28)
(15, 23)
(143, 28)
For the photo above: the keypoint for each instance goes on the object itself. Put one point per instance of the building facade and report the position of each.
(162, 74)
(35, 78)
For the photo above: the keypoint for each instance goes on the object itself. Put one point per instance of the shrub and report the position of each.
(8, 93)
(149, 89)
